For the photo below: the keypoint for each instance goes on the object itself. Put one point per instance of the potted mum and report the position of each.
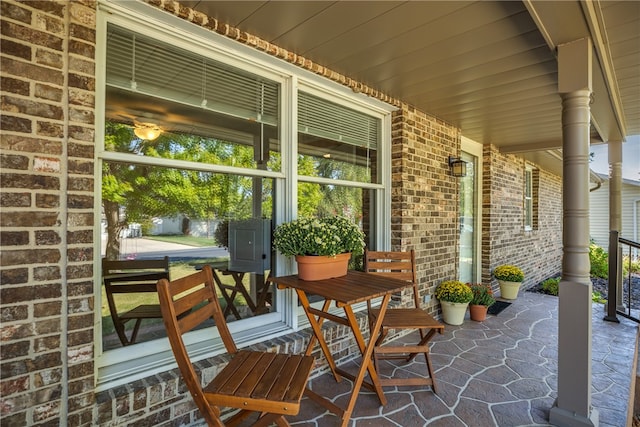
(510, 278)
(454, 298)
(482, 300)
(319, 245)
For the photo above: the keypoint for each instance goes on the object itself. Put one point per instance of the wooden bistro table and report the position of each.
(230, 292)
(346, 291)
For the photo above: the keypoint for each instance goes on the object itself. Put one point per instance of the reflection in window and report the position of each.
(155, 88)
(335, 141)
(193, 217)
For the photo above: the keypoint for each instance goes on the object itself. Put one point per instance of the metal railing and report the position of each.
(618, 246)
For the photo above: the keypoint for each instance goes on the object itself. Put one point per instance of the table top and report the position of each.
(355, 287)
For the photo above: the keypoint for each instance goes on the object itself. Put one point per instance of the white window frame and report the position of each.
(528, 198)
(116, 367)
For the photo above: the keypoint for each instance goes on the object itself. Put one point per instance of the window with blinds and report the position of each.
(335, 141)
(147, 66)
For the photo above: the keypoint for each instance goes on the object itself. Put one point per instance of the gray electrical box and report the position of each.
(250, 245)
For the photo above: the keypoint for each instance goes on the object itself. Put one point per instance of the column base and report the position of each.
(564, 418)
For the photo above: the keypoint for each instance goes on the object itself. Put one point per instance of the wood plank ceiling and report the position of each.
(488, 67)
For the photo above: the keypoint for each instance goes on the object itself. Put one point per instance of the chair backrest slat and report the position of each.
(400, 265)
(202, 286)
(113, 266)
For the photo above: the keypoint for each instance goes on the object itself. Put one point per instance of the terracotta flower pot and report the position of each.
(478, 312)
(312, 267)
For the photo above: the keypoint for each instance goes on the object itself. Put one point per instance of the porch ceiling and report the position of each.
(488, 67)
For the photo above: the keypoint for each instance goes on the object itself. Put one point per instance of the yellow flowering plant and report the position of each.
(454, 291)
(508, 273)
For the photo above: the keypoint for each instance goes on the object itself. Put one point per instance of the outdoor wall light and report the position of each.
(147, 131)
(458, 167)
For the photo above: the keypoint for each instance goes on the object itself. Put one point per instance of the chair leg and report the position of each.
(425, 339)
(268, 419)
(134, 333)
(237, 418)
(430, 369)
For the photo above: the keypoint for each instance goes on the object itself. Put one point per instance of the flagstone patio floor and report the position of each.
(501, 372)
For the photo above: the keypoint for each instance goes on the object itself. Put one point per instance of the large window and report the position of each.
(202, 156)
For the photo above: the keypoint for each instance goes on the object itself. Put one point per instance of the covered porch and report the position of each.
(499, 372)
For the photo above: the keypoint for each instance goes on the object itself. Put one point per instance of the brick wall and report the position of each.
(504, 241)
(47, 196)
(424, 203)
(47, 260)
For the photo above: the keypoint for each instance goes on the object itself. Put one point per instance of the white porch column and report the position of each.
(615, 206)
(573, 406)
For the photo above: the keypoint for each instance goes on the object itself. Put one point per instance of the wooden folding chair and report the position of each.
(269, 383)
(132, 276)
(401, 265)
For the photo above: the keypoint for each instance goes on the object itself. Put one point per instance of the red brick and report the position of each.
(80, 184)
(16, 332)
(15, 124)
(32, 108)
(80, 337)
(29, 219)
(51, 7)
(43, 344)
(30, 35)
(12, 67)
(16, 86)
(47, 327)
(79, 115)
(48, 92)
(46, 200)
(46, 273)
(80, 271)
(82, 82)
(13, 313)
(47, 309)
(47, 237)
(17, 200)
(82, 236)
(14, 385)
(82, 32)
(30, 145)
(80, 288)
(81, 133)
(14, 276)
(14, 349)
(49, 59)
(15, 12)
(14, 238)
(75, 201)
(15, 294)
(47, 377)
(81, 150)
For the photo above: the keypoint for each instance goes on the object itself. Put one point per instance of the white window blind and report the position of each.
(326, 119)
(140, 64)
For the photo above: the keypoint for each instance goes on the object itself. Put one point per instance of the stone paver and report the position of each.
(501, 372)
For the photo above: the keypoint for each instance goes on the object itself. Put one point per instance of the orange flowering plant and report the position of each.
(482, 295)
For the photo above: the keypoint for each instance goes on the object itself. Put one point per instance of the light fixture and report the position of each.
(458, 167)
(147, 131)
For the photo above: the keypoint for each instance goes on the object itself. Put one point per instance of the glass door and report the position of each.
(469, 220)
